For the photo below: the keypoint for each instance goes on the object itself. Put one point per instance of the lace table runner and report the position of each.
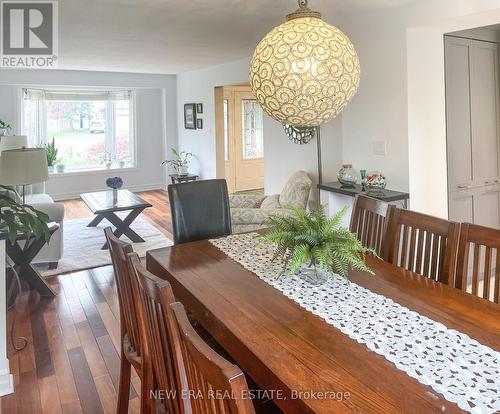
(453, 364)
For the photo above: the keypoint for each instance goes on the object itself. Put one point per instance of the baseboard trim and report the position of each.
(6, 383)
(133, 188)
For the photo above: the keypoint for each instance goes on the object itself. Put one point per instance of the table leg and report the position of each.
(96, 221)
(22, 263)
(123, 226)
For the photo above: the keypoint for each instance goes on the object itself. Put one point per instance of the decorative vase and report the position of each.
(313, 274)
(347, 176)
(108, 165)
(51, 169)
(183, 170)
(3, 131)
(121, 164)
(115, 196)
(60, 168)
(376, 180)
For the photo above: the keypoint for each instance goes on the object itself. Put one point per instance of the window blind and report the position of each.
(75, 95)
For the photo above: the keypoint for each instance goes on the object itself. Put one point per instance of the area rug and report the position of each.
(82, 245)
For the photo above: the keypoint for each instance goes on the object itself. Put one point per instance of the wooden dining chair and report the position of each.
(422, 244)
(165, 366)
(132, 348)
(368, 221)
(207, 372)
(478, 266)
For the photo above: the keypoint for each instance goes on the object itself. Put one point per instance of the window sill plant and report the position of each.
(51, 150)
(313, 246)
(5, 128)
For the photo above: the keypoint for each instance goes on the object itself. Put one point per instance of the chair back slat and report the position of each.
(200, 210)
(127, 288)
(208, 374)
(155, 296)
(478, 265)
(422, 244)
(368, 221)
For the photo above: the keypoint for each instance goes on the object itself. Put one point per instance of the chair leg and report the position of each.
(124, 386)
(145, 389)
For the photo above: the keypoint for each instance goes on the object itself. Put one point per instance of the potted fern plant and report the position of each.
(313, 246)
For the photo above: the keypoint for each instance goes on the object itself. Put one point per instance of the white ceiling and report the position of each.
(173, 36)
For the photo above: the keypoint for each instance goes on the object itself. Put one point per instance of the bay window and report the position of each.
(91, 129)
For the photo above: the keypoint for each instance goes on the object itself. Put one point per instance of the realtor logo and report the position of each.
(29, 34)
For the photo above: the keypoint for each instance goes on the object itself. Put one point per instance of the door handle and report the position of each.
(462, 187)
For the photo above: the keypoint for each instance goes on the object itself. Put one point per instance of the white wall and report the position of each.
(198, 87)
(156, 124)
(401, 97)
(282, 157)
(426, 94)
(379, 110)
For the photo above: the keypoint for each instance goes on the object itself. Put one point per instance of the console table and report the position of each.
(340, 196)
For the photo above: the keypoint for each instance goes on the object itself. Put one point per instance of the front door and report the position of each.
(249, 142)
(239, 123)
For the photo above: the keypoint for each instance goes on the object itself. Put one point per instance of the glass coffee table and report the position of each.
(105, 205)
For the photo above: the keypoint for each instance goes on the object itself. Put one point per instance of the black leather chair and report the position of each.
(200, 210)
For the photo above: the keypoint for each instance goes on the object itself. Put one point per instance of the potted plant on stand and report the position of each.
(313, 246)
(16, 220)
(51, 150)
(180, 163)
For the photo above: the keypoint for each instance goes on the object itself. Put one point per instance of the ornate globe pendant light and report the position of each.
(304, 72)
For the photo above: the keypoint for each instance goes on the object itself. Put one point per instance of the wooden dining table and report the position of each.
(304, 364)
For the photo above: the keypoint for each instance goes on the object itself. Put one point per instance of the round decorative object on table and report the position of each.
(347, 176)
(376, 180)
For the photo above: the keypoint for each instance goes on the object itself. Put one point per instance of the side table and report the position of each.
(176, 178)
(22, 258)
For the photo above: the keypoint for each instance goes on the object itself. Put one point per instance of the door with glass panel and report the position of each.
(240, 138)
(248, 142)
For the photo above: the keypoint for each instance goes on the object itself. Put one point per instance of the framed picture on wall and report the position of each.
(199, 123)
(199, 108)
(190, 116)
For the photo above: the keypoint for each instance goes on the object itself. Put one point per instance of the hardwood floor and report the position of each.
(71, 363)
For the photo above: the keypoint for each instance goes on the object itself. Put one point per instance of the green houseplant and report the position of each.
(4, 128)
(309, 242)
(51, 150)
(18, 219)
(181, 161)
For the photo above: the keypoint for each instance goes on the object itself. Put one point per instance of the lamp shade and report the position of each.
(305, 71)
(23, 166)
(13, 142)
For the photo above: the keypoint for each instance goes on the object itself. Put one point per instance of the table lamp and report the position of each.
(13, 142)
(23, 166)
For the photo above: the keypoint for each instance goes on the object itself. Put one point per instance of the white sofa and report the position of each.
(52, 252)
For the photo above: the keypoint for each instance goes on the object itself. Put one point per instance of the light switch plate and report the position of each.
(380, 147)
